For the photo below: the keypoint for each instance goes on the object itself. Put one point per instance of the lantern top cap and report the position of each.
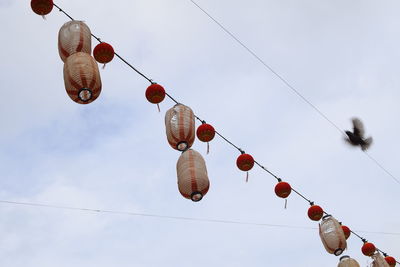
(344, 257)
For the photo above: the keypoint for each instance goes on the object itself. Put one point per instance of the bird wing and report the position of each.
(358, 127)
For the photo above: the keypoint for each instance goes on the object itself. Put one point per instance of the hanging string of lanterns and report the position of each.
(83, 85)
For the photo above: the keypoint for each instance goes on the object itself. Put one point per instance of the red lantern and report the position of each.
(368, 249)
(42, 7)
(205, 132)
(155, 93)
(245, 162)
(315, 213)
(346, 231)
(283, 189)
(103, 53)
(391, 261)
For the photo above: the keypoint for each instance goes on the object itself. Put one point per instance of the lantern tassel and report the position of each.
(158, 106)
(247, 177)
(44, 17)
(285, 203)
(104, 66)
(208, 148)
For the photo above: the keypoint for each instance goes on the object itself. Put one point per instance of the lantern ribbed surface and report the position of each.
(379, 261)
(74, 36)
(193, 180)
(346, 261)
(82, 78)
(332, 235)
(180, 127)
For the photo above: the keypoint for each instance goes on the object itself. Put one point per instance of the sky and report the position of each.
(343, 56)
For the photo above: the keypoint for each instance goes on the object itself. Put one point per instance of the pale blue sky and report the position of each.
(113, 153)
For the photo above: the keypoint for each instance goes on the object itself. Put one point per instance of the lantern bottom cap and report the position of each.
(182, 146)
(338, 252)
(196, 196)
(85, 94)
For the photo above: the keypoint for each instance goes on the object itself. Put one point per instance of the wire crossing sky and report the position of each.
(202, 120)
(181, 218)
(289, 85)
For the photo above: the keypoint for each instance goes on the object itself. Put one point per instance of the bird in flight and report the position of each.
(356, 138)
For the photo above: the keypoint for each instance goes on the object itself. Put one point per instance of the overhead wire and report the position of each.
(198, 118)
(180, 218)
(287, 83)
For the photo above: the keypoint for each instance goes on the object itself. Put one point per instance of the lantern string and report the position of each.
(288, 84)
(224, 138)
(176, 102)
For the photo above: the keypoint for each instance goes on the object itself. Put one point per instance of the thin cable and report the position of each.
(173, 217)
(130, 213)
(280, 77)
(380, 166)
(155, 215)
(267, 66)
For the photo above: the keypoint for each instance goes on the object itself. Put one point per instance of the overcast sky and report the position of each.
(343, 56)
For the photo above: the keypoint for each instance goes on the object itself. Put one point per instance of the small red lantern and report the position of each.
(42, 7)
(391, 261)
(245, 162)
(155, 93)
(103, 53)
(368, 249)
(205, 132)
(315, 213)
(283, 189)
(346, 231)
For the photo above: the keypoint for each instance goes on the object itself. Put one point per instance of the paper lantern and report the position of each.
(74, 36)
(390, 260)
(180, 129)
(155, 93)
(193, 180)
(346, 231)
(283, 189)
(346, 261)
(245, 162)
(42, 7)
(332, 235)
(82, 78)
(315, 213)
(368, 249)
(103, 53)
(205, 132)
(379, 261)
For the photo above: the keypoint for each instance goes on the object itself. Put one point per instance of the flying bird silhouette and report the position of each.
(356, 138)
